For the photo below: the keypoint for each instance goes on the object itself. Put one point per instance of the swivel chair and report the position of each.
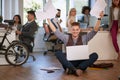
(49, 37)
(29, 46)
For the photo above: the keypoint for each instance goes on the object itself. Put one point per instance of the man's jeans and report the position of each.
(79, 64)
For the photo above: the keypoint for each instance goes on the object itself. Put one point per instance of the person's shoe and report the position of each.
(69, 71)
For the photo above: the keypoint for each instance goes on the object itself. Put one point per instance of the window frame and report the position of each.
(1, 7)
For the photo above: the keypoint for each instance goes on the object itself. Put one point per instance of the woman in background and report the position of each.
(114, 24)
(71, 18)
(17, 24)
(86, 14)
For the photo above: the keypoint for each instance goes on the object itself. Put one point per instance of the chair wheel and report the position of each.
(44, 53)
(34, 59)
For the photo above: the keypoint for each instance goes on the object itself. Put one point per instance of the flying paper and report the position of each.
(98, 7)
(49, 11)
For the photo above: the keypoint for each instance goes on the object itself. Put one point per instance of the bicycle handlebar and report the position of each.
(10, 22)
(9, 27)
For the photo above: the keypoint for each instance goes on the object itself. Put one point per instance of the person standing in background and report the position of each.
(71, 18)
(114, 24)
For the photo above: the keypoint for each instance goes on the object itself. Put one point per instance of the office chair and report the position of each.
(50, 37)
(47, 38)
(30, 46)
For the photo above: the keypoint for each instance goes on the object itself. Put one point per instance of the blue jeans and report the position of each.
(79, 64)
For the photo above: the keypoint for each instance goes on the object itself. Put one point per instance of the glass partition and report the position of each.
(32, 5)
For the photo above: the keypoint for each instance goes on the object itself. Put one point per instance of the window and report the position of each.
(64, 5)
(32, 5)
(61, 4)
(78, 4)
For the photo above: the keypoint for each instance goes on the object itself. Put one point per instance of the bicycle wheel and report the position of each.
(17, 54)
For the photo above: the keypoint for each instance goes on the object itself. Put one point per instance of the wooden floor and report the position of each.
(31, 71)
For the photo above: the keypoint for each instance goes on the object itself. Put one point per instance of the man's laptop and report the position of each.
(77, 52)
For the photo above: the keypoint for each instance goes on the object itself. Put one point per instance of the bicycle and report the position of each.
(16, 53)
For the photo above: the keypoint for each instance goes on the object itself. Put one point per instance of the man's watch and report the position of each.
(99, 18)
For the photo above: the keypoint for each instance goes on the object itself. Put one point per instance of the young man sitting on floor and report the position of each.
(76, 67)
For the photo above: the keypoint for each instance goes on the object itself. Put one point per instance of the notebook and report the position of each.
(80, 52)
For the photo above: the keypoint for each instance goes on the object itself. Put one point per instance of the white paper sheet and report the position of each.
(49, 11)
(98, 7)
(51, 68)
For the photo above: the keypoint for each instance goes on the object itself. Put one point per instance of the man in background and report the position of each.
(28, 30)
(56, 20)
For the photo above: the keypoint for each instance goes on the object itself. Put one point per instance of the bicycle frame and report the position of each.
(16, 53)
(3, 39)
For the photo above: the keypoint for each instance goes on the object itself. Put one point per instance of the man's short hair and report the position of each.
(58, 10)
(75, 24)
(32, 13)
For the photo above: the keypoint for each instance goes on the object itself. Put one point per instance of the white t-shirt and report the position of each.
(115, 13)
(14, 28)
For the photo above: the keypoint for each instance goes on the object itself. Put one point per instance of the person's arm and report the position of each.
(19, 27)
(110, 18)
(52, 27)
(91, 34)
(97, 25)
(59, 34)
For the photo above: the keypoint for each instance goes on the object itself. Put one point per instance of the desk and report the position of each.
(102, 44)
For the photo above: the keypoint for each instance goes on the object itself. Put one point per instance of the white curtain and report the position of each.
(12, 7)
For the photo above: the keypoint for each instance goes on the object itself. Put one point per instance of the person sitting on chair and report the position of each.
(57, 22)
(86, 15)
(75, 67)
(26, 35)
